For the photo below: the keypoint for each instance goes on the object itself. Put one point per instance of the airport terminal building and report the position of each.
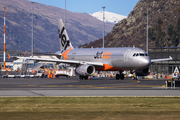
(165, 68)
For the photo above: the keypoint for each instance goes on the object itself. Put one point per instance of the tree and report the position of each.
(160, 36)
(151, 34)
(170, 30)
(159, 21)
(174, 40)
(156, 43)
(178, 28)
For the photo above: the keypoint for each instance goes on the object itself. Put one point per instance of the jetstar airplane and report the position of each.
(89, 60)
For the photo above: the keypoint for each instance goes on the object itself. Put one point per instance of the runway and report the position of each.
(85, 88)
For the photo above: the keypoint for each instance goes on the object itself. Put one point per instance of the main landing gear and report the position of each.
(120, 76)
(83, 77)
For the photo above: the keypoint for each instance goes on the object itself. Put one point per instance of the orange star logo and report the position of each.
(65, 54)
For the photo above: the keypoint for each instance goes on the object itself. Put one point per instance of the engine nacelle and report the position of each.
(85, 70)
(142, 72)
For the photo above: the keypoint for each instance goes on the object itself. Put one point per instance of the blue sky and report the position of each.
(122, 7)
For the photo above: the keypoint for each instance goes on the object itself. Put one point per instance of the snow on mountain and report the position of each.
(109, 16)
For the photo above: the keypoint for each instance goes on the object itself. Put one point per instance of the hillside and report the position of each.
(82, 27)
(164, 28)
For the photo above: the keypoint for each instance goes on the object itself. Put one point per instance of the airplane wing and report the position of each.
(58, 60)
(49, 54)
(160, 60)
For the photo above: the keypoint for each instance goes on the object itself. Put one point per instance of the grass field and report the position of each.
(89, 108)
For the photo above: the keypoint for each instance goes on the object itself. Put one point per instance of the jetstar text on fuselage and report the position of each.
(102, 55)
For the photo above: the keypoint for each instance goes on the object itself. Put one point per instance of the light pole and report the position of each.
(65, 15)
(103, 24)
(147, 33)
(4, 38)
(32, 44)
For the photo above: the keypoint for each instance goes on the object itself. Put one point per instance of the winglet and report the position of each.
(9, 56)
(170, 57)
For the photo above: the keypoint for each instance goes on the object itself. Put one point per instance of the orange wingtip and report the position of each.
(9, 56)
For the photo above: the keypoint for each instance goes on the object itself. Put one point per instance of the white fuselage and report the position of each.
(112, 58)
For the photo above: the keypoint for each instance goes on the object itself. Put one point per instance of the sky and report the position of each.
(122, 7)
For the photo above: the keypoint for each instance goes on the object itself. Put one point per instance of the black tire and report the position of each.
(117, 76)
(81, 77)
(122, 76)
(85, 77)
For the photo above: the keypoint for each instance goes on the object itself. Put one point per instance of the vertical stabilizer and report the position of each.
(65, 43)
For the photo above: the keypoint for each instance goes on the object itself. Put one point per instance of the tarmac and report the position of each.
(73, 87)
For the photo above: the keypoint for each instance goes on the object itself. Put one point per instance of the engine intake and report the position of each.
(142, 72)
(85, 70)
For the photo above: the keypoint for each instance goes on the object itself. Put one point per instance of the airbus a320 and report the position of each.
(89, 60)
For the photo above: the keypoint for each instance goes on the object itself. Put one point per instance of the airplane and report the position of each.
(89, 60)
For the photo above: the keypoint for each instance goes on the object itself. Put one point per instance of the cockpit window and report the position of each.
(140, 54)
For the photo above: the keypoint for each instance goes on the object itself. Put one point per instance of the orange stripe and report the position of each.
(4, 65)
(4, 47)
(107, 67)
(4, 29)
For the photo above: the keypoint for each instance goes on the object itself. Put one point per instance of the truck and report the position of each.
(17, 65)
(67, 72)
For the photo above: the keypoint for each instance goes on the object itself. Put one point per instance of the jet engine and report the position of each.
(85, 70)
(142, 72)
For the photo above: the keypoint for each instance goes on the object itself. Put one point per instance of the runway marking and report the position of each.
(131, 84)
(32, 85)
(27, 85)
(50, 86)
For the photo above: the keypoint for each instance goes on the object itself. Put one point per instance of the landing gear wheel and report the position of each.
(117, 76)
(85, 77)
(122, 76)
(81, 77)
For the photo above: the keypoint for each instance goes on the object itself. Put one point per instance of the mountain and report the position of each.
(164, 26)
(81, 27)
(109, 16)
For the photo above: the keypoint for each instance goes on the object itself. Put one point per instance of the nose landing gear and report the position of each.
(120, 76)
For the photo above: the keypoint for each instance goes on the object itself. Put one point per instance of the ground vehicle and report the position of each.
(41, 74)
(176, 76)
(67, 73)
(17, 65)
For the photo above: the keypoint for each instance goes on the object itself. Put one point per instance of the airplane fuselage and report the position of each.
(123, 58)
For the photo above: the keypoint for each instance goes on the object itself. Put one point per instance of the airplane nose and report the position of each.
(145, 61)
